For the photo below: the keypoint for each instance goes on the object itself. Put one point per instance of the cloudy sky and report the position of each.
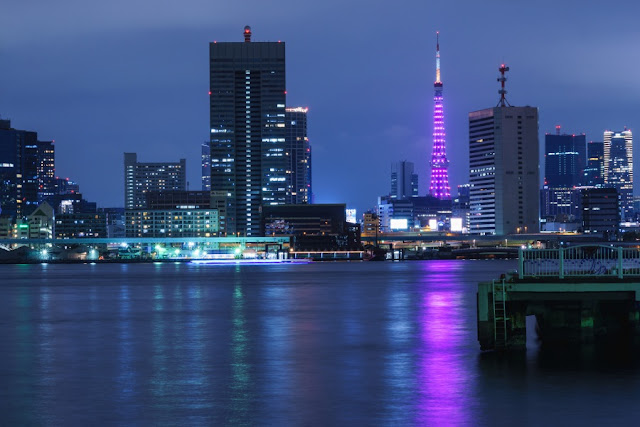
(102, 78)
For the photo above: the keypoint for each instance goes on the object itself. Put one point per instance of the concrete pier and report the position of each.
(598, 303)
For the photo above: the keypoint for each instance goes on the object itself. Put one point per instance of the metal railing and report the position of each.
(580, 261)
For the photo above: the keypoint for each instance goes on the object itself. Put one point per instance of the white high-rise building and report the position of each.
(504, 170)
(618, 168)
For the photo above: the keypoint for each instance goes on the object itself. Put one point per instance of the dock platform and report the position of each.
(577, 294)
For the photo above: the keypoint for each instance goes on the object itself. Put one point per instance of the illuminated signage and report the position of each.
(398, 224)
(351, 215)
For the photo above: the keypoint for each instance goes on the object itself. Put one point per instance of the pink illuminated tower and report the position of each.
(439, 187)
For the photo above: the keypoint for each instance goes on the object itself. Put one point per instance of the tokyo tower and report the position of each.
(439, 187)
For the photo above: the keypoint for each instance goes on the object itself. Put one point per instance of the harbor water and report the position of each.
(335, 343)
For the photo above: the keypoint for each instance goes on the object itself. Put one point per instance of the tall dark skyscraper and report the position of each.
(299, 154)
(594, 171)
(565, 158)
(248, 136)
(503, 162)
(27, 170)
(564, 164)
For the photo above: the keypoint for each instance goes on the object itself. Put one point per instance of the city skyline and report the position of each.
(113, 81)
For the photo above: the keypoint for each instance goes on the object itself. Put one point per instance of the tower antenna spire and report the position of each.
(438, 57)
(503, 92)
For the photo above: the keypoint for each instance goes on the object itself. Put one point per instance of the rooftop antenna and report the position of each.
(502, 79)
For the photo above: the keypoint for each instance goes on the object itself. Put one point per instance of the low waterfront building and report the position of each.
(80, 225)
(38, 225)
(172, 223)
(315, 227)
(6, 227)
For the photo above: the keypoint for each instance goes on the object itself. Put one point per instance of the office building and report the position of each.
(248, 134)
(141, 178)
(206, 167)
(564, 160)
(503, 163)
(27, 170)
(560, 204)
(594, 170)
(298, 151)
(439, 185)
(404, 182)
(40, 169)
(600, 210)
(618, 168)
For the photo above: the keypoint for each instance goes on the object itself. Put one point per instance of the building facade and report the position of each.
(299, 155)
(618, 168)
(504, 174)
(248, 136)
(141, 178)
(81, 225)
(594, 170)
(163, 200)
(171, 223)
(27, 171)
(404, 182)
(564, 160)
(600, 210)
(206, 166)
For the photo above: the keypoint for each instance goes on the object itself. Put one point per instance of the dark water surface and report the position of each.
(316, 344)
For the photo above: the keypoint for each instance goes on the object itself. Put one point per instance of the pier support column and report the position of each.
(587, 310)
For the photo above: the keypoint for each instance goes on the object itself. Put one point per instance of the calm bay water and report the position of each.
(315, 344)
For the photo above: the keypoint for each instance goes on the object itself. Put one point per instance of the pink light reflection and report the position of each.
(444, 383)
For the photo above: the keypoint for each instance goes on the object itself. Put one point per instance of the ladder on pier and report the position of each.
(500, 314)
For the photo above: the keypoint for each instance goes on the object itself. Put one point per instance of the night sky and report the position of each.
(102, 78)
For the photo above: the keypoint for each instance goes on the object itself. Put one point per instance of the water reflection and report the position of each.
(277, 337)
(240, 392)
(47, 381)
(160, 348)
(126, 377)
(399, 363)
(443, 374)
(324, 344)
